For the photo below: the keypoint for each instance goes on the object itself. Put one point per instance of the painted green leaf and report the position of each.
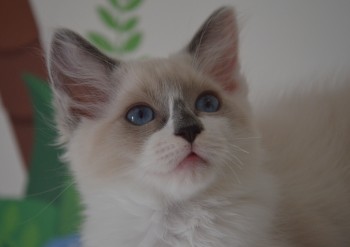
(30, 236)
(127, 6)
(114, 3)
(48, 176)
(8, 243)
(9, 219)
(106, 17)
(132, 4)
(132, 43)
(44, 181)
(100, 41)
(69, 212)
(35, 225)
(128, 25)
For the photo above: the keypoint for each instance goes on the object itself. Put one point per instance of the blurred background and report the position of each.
(282, 43)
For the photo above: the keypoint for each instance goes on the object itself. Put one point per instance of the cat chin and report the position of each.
(185, 181)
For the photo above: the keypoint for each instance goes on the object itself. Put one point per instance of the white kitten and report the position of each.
(165, 152)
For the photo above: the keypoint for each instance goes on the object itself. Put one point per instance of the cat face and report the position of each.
(174, 126)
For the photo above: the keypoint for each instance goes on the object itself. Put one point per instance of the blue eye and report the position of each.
(140, 115)
(207, 103)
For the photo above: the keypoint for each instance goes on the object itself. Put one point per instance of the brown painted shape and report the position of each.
(20, 52)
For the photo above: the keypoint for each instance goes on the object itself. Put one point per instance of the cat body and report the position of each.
(168, 152)
(306, 133)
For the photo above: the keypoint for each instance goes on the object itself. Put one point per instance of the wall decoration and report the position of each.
(51, 208)
(118, 19)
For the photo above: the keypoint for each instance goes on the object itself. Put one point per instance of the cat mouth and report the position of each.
(191, 161)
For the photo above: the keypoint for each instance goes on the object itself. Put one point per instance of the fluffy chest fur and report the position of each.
(221, 219)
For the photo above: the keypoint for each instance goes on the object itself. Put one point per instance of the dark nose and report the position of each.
(189, 133)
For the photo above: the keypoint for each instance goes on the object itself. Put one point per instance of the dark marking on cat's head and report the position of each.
(186, 123)
(205, 31)
(66, 36)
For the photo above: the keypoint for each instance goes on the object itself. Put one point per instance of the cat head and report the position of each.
(172, 125)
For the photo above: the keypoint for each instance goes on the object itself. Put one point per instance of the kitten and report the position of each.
(166, 151)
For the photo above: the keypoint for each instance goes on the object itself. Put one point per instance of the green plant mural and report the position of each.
(51, 208)
(116, 17)
(49, 178)
(22, 226)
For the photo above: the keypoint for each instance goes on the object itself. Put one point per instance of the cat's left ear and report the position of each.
(214, 48)
(80, 78)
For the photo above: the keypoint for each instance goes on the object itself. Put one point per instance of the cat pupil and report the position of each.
(207, 103)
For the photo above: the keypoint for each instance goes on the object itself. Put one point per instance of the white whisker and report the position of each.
(248, 138)
(48, 205)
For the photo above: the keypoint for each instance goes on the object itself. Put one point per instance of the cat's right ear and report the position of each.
(214, 48)
(80, 78)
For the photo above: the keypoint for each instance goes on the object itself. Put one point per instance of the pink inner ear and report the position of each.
(224, 70)
(217, 48)
(226, 81)
(231, 87)
(85, 98)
